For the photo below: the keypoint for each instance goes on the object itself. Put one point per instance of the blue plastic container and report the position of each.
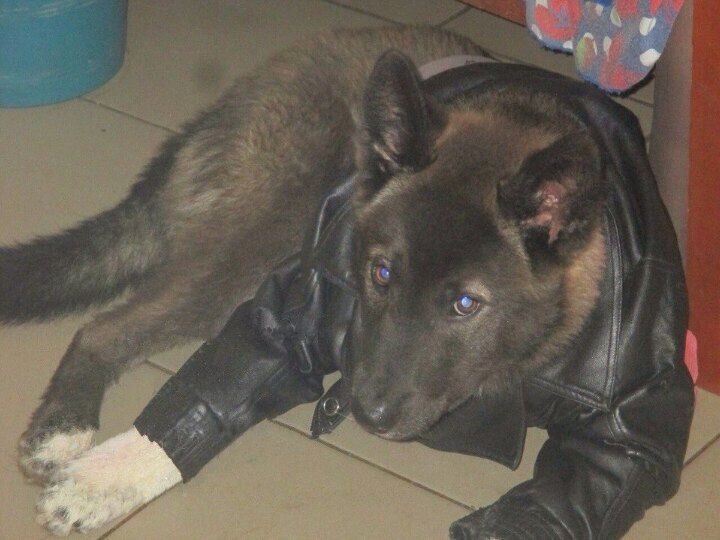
(53, 50)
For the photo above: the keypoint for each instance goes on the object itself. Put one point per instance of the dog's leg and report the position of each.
(152, 321)
(106, 482)
(252, 380)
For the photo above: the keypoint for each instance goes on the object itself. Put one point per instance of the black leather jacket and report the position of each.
(617, 406)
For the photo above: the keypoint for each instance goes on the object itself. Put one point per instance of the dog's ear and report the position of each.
(558, 193)
(399, 122)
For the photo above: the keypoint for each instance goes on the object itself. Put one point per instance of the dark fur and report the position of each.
(498, 197)
(225, 201)
(456, 199)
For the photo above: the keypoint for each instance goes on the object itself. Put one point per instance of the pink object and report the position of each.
(691, 355)
(559, 18)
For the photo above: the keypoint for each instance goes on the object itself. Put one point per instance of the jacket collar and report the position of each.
(493, 428)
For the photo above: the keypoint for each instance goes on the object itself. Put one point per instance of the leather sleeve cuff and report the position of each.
(503, 522)
(185, 427)
(230, 384)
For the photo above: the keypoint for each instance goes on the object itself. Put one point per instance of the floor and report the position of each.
(65, 162)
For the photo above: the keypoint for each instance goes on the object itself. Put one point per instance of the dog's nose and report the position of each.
(377, 417)
(374, 418)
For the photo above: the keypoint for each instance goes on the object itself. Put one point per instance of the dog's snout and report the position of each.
(374, 418)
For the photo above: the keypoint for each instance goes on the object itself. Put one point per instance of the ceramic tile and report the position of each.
(61, 163)
(421, 11)
(457, 476)
(470, 480)
(128, 398)
(181, 55)
(274, 483)
(299, 417)
(706, 423)
(693, 512)
(66, 162)
(515, 41)
(28, 357)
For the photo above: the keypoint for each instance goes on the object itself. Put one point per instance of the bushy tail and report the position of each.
(81, 267)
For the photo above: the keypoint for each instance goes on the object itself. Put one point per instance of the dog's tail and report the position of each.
(89, 264)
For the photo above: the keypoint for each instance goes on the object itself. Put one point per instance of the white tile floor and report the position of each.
(64, 162)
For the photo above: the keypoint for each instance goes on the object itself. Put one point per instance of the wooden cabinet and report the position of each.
(703, 219)
(513, 10)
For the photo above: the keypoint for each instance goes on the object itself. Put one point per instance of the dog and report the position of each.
(206, 222)
(222, 203)
(479, 255)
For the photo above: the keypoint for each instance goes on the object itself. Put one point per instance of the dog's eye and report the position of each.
(466, 305)
(381, 274)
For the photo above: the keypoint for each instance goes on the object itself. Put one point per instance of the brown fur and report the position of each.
(223, 202)
(497, 196)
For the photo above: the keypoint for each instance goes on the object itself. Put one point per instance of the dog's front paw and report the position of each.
(104, 483)
(41, 454)
(72, 503)
(60, 430)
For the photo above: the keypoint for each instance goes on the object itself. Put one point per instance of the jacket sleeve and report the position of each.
(599, 471)
(244, 375)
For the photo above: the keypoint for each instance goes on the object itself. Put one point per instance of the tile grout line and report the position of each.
(376, 466)
(336, 3)
(702, 450)
(134, 513)
(160, 367)
(500, 55)
(351, 455)
(692, 458)
(346, 452)
(545, 49)
(128, 115)
(453, 17)
(106, 535)
(366, 461)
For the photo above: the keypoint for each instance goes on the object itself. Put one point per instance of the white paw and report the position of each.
(106, 482)
(40, 459)
(71, 505)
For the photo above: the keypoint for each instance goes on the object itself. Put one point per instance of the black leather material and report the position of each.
(259, 366)
(331, 410)
(617, 406)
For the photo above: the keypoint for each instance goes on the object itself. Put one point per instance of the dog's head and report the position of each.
(475, 221)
